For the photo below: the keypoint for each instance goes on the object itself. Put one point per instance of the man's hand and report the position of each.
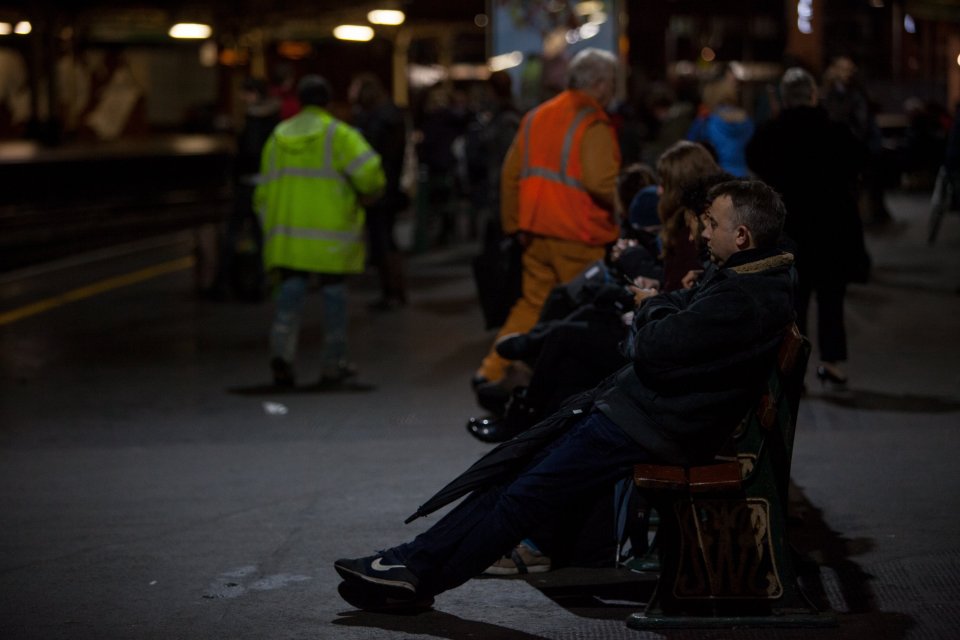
(646, 283)
(691, 278)
(620, 246)
(639, 295)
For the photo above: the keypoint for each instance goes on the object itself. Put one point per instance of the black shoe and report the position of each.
(339, 374)
(513, 347)
(490, 429)
(358, 595)
(381, 574)
(493, 397)
(282, 373)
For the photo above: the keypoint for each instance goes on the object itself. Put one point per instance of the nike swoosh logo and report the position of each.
(377, 565)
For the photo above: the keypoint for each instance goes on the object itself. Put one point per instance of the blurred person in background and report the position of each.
(557, 191)
(813, 163)
(722, 125)
(382, 124)
(845, 99)
(316, 172)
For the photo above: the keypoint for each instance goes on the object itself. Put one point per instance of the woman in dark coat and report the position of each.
(814, 164)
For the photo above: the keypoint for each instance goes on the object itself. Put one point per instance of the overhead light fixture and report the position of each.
(190, 31)
(505, 61)
(386, 16)
(23, 28)
(5, 28)
(353, 32)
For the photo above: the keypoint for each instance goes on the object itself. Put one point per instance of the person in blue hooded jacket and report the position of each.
(722, 125)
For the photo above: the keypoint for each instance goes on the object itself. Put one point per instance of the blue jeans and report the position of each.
(285, 331)
(589, 458)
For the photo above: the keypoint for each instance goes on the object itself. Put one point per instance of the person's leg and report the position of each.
(289, 296)
(831, 334)
(334, 354)
(594, 454)
(538, 280)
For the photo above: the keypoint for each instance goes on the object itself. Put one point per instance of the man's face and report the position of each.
(606, 89)
(724, 237)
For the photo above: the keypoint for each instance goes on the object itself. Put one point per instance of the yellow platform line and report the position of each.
(90, 290)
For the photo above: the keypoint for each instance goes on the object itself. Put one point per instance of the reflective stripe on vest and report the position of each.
(561, 176)
(324, 172)
(307, 233)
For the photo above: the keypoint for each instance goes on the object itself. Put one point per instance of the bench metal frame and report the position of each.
(724, 555)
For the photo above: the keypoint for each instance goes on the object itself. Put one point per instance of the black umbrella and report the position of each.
(507, 458)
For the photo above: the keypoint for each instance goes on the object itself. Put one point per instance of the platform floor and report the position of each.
(148, 489)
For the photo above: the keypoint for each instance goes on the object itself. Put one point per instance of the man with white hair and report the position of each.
(557, 193)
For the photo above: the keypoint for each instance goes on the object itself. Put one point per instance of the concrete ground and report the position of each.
(150, 488)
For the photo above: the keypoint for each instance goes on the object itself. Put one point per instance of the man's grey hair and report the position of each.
(797, 88)
(756, 206)
(591, 65)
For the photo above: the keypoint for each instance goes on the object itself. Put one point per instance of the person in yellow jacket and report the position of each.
(557, 192)
(316, 172)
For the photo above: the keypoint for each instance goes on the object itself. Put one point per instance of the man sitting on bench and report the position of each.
(699, 360)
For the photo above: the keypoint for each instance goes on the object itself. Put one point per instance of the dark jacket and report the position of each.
(814, 164)
(384, 129)
(700, 357)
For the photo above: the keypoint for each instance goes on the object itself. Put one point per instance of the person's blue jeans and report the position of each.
(593, 455)
(285, 330)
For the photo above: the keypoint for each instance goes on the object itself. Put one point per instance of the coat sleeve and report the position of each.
(510, 188)
(600, 159)
(358, 161)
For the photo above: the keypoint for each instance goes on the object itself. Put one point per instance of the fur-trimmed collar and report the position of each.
(765, 264)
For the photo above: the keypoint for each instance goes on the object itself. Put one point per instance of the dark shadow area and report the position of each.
(448, 306)
(820, 546)
(875, 401)
(271, 390)
(421, 282)
(432, 623)
(621, 594)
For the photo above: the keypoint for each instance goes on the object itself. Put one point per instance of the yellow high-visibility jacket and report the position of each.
(312, 172)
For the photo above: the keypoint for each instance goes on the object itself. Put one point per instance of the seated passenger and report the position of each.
(699, 358)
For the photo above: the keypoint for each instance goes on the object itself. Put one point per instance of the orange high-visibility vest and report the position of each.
(552, 199)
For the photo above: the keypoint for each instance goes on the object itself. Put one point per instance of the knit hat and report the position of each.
(643, 208)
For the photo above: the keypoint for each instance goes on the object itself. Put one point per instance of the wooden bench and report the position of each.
(724, 556)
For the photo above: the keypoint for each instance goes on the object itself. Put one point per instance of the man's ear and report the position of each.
(743, 237)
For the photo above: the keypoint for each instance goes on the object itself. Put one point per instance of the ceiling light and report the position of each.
(386, 16)
(5, 28)
(505, 61)
(354, 32)
(23, 28)
(190, 31)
